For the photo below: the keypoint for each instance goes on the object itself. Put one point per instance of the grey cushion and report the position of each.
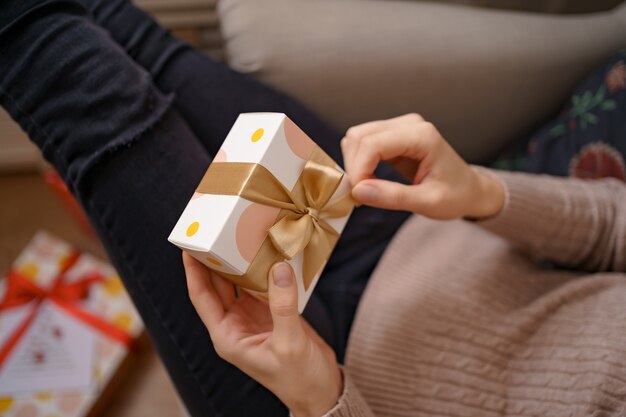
(483, 77)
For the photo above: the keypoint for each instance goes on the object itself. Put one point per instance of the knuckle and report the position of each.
(353, 132)
(370, 142)
(396, 197)
(415, 117)
(429, 133)
(283, 309)
(416, 132)
(436, 199)
(428, 127)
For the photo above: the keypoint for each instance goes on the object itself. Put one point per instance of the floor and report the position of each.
(27, 205)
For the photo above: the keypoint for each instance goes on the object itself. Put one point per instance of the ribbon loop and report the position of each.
(319, 182)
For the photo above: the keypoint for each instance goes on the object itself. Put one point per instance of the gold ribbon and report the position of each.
(300, 225)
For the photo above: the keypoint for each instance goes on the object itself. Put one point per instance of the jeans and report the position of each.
(131, 117)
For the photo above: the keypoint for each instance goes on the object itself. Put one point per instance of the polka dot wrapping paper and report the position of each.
(228, 230)
(82, 323)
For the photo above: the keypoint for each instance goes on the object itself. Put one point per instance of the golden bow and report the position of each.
(300, 224)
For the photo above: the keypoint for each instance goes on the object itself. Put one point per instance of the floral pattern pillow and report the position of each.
(588, 138)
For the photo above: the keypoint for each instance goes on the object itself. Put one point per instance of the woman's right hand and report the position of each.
(443, 185)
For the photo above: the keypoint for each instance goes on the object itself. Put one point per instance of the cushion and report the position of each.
(588, 138)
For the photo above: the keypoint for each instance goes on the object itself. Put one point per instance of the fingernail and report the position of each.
(365, 192)
(281, 274)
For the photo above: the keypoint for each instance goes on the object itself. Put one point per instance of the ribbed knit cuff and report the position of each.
(573, 222)
(351, 403)
(528, 205)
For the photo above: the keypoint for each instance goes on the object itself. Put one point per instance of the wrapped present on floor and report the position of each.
(66, 330)
(270, 194)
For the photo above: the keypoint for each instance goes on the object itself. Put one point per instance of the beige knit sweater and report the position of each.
(462, 319)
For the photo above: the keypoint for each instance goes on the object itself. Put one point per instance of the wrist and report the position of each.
(314, 409)
(319, 406)
(489, 194)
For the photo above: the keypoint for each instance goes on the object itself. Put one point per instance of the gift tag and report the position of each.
(55, 353)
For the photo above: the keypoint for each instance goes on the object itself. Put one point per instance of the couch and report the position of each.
(485, 77)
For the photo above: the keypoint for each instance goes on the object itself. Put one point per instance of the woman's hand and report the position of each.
(272, 344)
(443, 185)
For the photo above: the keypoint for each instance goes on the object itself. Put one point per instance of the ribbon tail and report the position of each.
(339, 207)
(17, 335)
(96, 322)
(320, 179)
(317, 252)
(20, 291)
(79, 289)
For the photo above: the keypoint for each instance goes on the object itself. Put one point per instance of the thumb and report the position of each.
(283, 299)
(390, 195)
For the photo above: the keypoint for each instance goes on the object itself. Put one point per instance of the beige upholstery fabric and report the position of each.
(484, 77)
(543, 6)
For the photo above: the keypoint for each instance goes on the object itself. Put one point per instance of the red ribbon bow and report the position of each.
(21, 291)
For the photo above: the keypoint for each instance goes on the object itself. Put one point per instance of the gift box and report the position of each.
(66, 330)
(270, 194)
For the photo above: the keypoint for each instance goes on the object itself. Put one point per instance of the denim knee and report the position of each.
(70, 86)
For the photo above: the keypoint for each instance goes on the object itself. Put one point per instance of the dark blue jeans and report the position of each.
(131, 117)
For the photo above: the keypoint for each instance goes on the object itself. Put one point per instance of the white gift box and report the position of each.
(61, 365)
(225, 232)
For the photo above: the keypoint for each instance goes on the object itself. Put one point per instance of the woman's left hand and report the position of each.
(273, 344)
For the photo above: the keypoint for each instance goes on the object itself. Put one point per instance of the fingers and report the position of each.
(283, 300)
(350, 143)
(224, 289)
(203, 295)
(395, 196)
(366, 145)
(377, 147)
(380, 125)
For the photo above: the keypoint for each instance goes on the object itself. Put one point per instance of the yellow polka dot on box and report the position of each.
(26, 390)
(225, 232)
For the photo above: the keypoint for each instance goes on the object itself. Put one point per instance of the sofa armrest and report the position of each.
(484, 77)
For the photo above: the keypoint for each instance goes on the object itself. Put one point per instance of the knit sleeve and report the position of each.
(575, 223)
(351, 403)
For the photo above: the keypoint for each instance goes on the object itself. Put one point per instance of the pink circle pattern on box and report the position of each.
(252, 228)
(299, 143)
(70, 402)
(220, 156)
(106, 348)
(27, 410)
